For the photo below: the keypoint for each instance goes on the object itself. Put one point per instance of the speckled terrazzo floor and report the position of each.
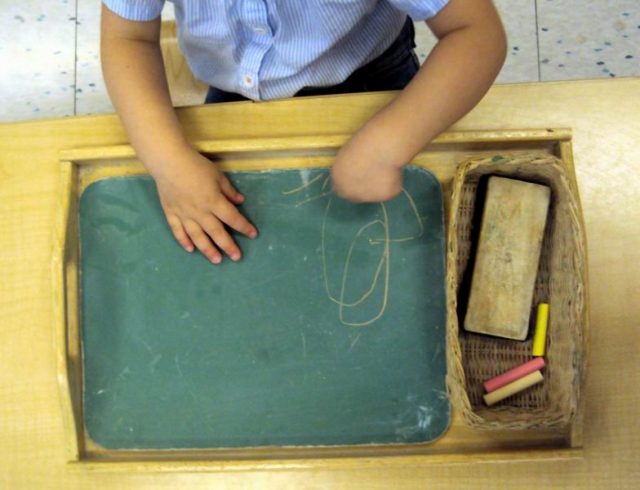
(50, 58)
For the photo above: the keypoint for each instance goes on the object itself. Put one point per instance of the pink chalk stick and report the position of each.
(513, 374)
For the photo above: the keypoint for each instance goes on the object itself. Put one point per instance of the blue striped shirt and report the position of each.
(267, 49)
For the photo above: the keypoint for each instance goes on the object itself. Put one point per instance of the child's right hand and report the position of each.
(198, 200)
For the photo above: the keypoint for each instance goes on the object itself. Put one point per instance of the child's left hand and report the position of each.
(366, 168)
(470, 52)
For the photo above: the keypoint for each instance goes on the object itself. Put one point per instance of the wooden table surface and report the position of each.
(605, 119)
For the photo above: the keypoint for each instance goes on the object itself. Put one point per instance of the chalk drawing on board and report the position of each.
(382, 272)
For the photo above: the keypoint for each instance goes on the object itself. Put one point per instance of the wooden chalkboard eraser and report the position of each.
(507, 257)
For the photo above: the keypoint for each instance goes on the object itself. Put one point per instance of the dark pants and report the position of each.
(392, 70)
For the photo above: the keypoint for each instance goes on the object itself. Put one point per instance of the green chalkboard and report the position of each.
(329, 331)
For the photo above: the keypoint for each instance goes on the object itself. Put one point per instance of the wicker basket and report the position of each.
(560, 282)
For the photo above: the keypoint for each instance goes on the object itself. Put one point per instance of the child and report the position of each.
(263, 49)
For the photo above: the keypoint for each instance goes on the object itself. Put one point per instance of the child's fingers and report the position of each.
(202, 241)
(230, 192)
(229, 214)
(179, 232)
(215, 229)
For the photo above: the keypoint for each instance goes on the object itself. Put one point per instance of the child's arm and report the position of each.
(196, 197)
(453, 79)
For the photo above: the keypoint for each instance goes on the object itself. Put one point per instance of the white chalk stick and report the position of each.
(513, 388)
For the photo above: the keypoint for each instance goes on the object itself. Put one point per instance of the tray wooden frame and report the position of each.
(460, 444)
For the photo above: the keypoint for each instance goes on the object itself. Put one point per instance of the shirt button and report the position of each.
(247, 80)
(259, 30)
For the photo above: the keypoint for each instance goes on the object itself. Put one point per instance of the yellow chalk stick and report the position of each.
(513, 388)
(540, 335)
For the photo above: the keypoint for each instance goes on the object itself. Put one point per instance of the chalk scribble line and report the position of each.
(383, 263)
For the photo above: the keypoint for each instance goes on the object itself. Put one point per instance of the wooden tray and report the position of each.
(460, 444)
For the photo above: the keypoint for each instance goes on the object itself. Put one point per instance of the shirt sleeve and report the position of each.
(419, 9)
(139, 10)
